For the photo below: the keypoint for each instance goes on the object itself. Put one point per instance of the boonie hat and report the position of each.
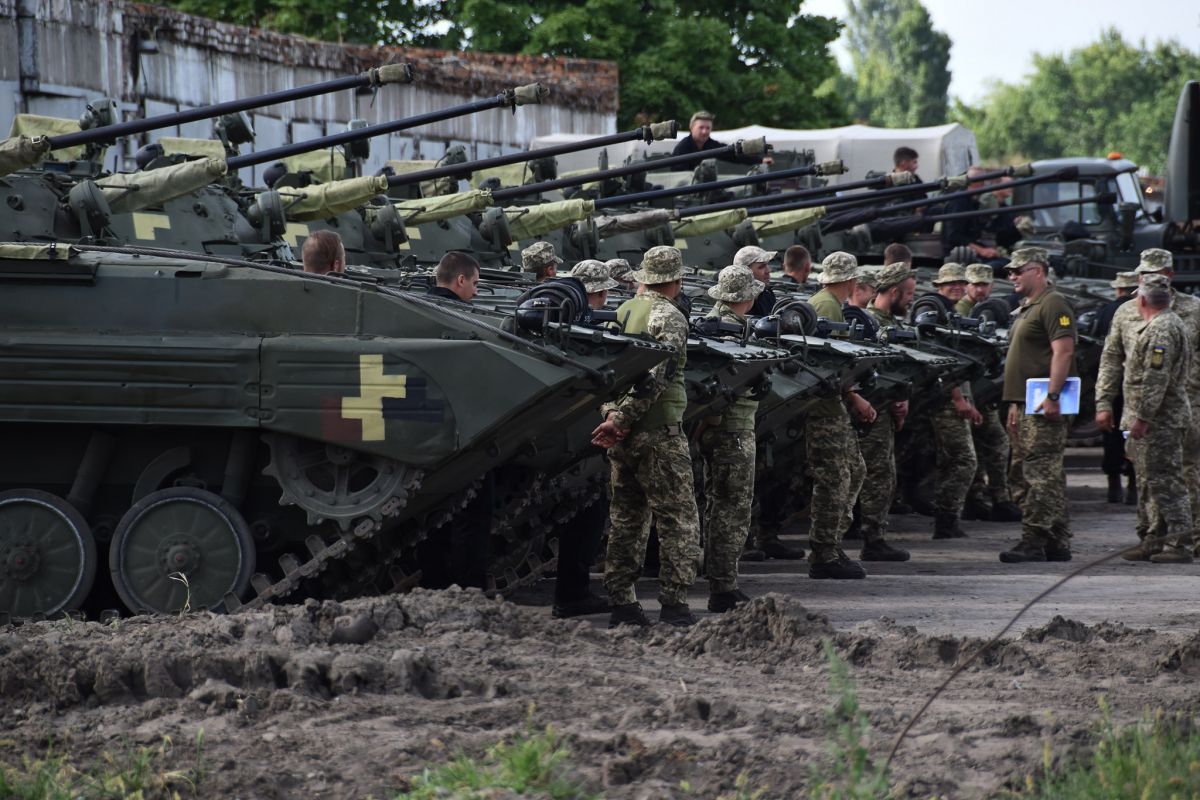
(595, 275)
(1155, 259)
(620, 270)
(736, 285)
(838, 267)
(1125, 280)
(892, 275)
(661, 264)
(538, 256)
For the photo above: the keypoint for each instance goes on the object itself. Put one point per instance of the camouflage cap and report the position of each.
(620, 270)
(868, 275)
(980, 273)
(736, 285)
(1125, 280)
(1155, 281)
(838, 267)
(1155, 260)
(539, 255)
(752, 255)
(595, 275)
(1028, 255)
(661, 264)
(893, 275)
(950, 272)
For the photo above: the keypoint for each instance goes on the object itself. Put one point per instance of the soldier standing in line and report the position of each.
(835, 465)
(651, 463)
(1115, 464)
(952, 421)
(988, 496)
(1117, 346)
(540, 259)
(1157, 416)
(727, 446)
(876, 441)
(1041, 345)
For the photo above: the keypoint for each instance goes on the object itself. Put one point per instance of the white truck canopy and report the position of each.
(942, 149)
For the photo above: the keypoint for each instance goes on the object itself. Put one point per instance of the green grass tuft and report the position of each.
(1156, 758)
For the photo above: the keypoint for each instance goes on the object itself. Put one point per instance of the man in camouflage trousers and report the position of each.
(835, 464)
(955, 462)
(895, 285)
(1157, 415)
(1041, 345)
(1117, 348)
(988, 496)
(727, 446)
(651, 463)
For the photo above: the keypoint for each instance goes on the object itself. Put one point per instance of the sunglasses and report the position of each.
(1014, 272)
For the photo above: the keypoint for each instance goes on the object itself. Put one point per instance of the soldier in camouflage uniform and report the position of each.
(1041, 345)
(894, 285)
(651, 464)
(621, 272)
(1117, 347)
(835, 465)
(955, 461)
(988, 496)
(540, 259)
(596, 279)
(1157, 415)
(727, 447)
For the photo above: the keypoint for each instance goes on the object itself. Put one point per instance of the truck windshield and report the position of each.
(1087, 213)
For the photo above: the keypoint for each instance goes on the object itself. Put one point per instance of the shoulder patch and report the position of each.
(1158, 354)
(1064, 321)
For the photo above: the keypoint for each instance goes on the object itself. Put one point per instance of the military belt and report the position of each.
(674, 429)
(714, 420)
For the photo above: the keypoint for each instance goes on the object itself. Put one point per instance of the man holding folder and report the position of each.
(1041, 345)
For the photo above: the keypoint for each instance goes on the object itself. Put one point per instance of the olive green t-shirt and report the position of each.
(1046, 317)
(829, 307)
(963, 307)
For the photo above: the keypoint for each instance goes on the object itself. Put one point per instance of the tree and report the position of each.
(747, 61)
(1107, 96)
(900, 76)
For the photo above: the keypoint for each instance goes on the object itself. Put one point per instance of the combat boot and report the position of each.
(945, 526)
(1115, 493)
(1057, 552)
(1005, 511)
(720, 602)
(842, 567)
(585, 606)
(628, 614)
(1140, 552)
(1025, 550)
(1172, 554)
(677, 615)
(752, 554)
(900, 507)
(880, 550)
(975, 508)
(774, 548)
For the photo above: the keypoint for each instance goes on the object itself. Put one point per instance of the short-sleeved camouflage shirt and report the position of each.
(1044, 318)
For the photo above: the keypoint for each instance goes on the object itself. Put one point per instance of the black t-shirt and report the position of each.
(763, 303)
(443, 292)
(688, 145)
(958, 232)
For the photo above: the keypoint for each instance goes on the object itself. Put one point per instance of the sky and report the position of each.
(996, 40)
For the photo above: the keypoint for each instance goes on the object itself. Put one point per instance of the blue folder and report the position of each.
(1037, 388)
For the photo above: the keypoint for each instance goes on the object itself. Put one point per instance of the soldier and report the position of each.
(621, 272)
(952, 421)
(758, 261)
(699, 138)
(835, 464)
(1041, 345)
(651, 464)
(988, 496)
(896, 253)
(456, 277)
(1117, 346)
(727, 447)
(540, 259)
(864, 289)
(323, 253)
(979, 288)
(597, 280)
(1115, 465)
(896, 285)
(1157, 416)
(797, 265)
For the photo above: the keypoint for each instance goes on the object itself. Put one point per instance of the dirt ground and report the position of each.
(288, 712)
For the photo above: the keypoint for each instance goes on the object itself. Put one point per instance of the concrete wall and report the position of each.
(57, 54)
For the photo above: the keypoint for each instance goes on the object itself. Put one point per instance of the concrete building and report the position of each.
(55, 55)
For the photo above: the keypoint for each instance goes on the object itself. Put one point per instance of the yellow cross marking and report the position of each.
(145, 225)
(373, 386)
(293, 232)
(681, 244)
(414, 235)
